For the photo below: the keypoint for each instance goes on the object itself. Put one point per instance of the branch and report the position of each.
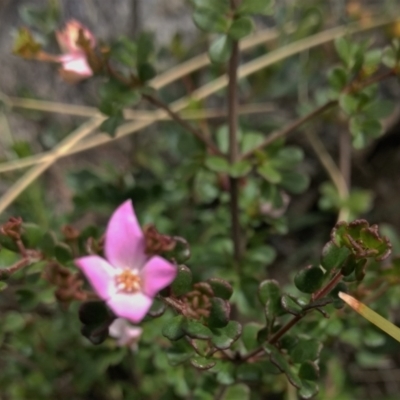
(177, 118)
(291, 127)
(234, 148)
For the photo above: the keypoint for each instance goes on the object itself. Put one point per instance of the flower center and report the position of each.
(128, 281)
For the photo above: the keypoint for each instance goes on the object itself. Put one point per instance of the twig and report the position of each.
(176, 117)
(234, 147)
(76, 136)
(6, 272)
(285, 328)
(291, 127)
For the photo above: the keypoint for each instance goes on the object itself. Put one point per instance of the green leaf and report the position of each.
(220, 6)
(261, 255)
(269, 172)
(279, 360)
(344, 48)
(63, 253)
(220, 49)
(309, 279)
(251, 140)
(173, 330)
(146, 71)
(269, 290)
(224, 337)
(348, 103)
(111, 124)
(3, 286)
(47, 244)
(289, 305)
(93, 313)
(196, 330)
(338, 78)
(94, 333)
(8, 243)
(202, 363)
(240, 169)
(145, 47)
(263, 7)
(309, 371)
(240, 28)
(288, 157)
(238, 391)
(31, 235)
(183, 281)
(217, 164)
(333, 256)
(294, 182)
(308, 389)
(305, 350)
(210, 21)
(124, 51)
(379, 109)
(250, 334)
(219, 313)
(220, 288)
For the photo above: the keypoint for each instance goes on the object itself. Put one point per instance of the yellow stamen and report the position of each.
(128, 281)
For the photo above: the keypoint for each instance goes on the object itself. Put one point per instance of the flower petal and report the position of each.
(99, 273)
(132, 307)
(157, 274)
(76, 63)
(124, 242)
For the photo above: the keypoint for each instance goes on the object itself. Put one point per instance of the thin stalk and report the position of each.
(234, 145)
(177, 118)
(285, 328)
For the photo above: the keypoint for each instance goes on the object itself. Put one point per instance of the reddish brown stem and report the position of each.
(158, 103)
(6, 272)
(323, 292)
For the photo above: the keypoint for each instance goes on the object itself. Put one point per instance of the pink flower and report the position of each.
(126, 334)
(129, 279)
(75, 66)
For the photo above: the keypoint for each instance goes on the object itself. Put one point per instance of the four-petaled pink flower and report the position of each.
(75, 66)
(129, 279)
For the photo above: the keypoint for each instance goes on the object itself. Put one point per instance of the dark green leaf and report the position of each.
(294, 182)
(220, 49)
(220, 288)
(333, 256)
(348, 103)
(31, 235)
(224, 337)
(309, 371)
(279, 360)
(240, 28)
(289, 305)
(240, 169)
(219, 313)
(217, 164)
(183, 281)
(210, 21)
(146, 71)
(263, 7)
(145, 47)
(250, 334)
(268, 172)
(173, 330)
(93, 313)
(63, 253)
(238, 391)
(309, 279)
(48, 243)
(202, 363)
(308, 389)
(196, 330)
(305, 350)
(111, 124)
